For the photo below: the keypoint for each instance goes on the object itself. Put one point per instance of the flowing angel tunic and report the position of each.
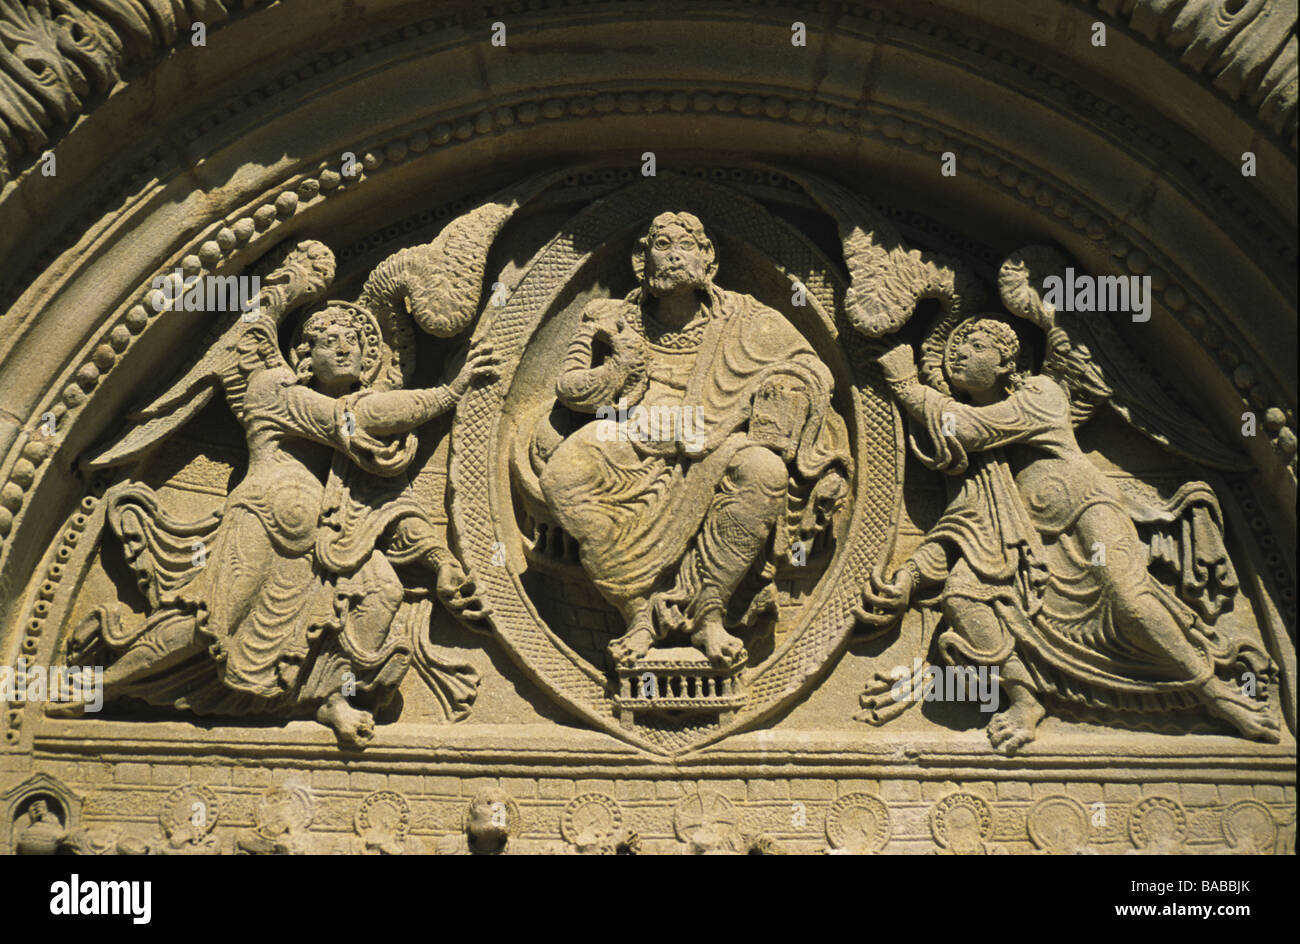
(1048, 539)
(289, 592)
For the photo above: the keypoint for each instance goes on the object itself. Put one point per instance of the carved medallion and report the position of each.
(591, 819)
(1058, 824)
(284, 809)
(1249, 827)
(961, 823)
(858, 823)
(1158, 824)
(383, 822)
(188, 815)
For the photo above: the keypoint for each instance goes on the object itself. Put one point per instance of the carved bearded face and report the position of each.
(336, 353)
(675, 261)
(978, 364)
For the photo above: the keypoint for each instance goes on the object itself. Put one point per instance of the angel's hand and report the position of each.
(897, 361)
(482, 366)
(883, 604)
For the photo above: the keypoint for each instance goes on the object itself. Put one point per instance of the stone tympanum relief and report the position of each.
(671, 491)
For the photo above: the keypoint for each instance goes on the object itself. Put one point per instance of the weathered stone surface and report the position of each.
(894, 456)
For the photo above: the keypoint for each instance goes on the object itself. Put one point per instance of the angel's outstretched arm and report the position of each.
(386, 412)
(275, 398)
(975, 428)
(1016, 418)
(383, 413)
(360, 424)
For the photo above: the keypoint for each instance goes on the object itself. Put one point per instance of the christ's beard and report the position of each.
(665, 283)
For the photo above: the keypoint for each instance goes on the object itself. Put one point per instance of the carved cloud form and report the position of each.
(439, 283)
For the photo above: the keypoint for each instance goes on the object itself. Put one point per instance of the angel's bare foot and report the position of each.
(711, 638)
(632, 646)
(1012, 729)
(352, 726)
(1249, 717)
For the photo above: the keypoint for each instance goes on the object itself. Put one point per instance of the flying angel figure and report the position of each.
(286, 601)
(1040, 569)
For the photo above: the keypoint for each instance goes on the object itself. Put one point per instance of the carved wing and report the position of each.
(887, 279)
(439, 284)
(300, 278)
(1097, 366)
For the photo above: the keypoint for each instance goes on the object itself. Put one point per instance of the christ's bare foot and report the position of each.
(711, 638)
(1012, 729)
(631, 647)
(1249, 717)
(352, 726)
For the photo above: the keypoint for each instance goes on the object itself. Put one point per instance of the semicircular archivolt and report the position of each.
(318, 197)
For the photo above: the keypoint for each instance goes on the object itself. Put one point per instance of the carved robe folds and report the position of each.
(635, 506)
(285, 585)
(1030, 523)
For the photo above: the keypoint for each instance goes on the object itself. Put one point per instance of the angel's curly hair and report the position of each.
(318, 323)
(1004, 338)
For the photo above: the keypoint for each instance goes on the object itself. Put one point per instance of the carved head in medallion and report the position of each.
(674, 255)
(338, 347)
(490, 818)
(983, 356)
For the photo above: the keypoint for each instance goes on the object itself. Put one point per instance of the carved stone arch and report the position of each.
(1170, 153)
